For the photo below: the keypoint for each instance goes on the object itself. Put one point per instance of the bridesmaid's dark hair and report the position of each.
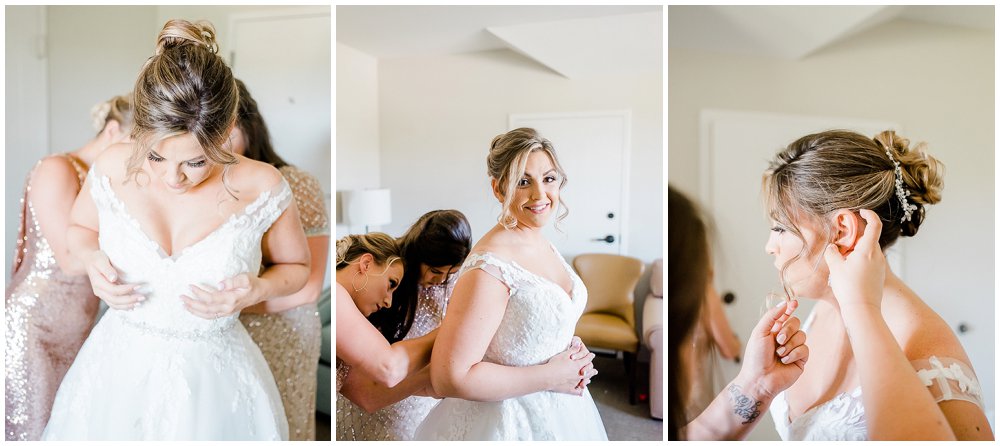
(250, 121)
(437, 239)
(687, 280)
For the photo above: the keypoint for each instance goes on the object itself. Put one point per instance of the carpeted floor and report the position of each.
(622, 420)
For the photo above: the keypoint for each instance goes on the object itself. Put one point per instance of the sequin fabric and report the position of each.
(49, 314)
(290, 340)
(342, 371)
(400, 420)
(309, 200)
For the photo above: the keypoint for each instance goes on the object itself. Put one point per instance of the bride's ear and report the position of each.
(848, 227)
(496, 189)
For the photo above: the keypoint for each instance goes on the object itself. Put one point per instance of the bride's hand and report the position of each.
(234, 294)
(104, 281)
(567, 368)
(776, 352)
(588, 371)
(858, 277)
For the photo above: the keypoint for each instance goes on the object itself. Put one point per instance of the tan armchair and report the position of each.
(608, 322)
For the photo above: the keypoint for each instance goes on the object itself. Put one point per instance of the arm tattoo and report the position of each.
(744, 406)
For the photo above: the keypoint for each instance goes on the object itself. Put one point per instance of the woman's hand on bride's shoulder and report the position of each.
(858, 276)
(104, 282)
(232, 295)
(571, 368)
(776, 352)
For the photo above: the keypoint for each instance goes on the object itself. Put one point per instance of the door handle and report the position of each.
(606, 239)
(729, 297)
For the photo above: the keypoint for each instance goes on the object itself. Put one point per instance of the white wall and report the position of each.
(438, 115)
(95, 52)
(26, 137)
(937, 82)
(357, 126)
(220, 16)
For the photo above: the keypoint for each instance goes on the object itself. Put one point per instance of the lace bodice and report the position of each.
(537, 324)
(232, 248)
(540, 317)
(843, 417)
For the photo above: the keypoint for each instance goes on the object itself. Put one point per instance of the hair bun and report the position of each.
(343, 245)
(923, 174)
(178, 33)
(99, 115)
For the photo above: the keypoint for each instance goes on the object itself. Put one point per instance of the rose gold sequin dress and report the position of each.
(398, 421)
(290, 340)
(49, 315)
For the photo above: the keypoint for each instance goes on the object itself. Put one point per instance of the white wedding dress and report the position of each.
(158, 372)
(843, 417)
(537, 324)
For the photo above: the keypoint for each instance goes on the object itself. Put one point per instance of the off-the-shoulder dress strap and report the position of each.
(270, 204)
(489, 263)
(949, 379)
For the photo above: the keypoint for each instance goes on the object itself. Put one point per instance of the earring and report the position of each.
(365, 285)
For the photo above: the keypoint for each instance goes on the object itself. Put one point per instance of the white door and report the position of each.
(736, 149)
(285, 62)
(593, 149)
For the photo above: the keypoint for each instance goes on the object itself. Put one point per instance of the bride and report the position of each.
(883, 364)
(503, 358)
(173, 229)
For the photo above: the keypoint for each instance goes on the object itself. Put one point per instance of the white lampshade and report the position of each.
(367, 207)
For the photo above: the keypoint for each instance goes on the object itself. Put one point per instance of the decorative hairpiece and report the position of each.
(901, 191)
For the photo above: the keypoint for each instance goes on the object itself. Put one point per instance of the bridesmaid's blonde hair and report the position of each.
(383, 247)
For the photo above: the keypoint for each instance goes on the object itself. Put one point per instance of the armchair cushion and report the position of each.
(605, 331)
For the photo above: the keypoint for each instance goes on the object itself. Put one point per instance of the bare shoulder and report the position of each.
(251, 177)
(922, 333)
(112, 161)
(54, 169)
(499, 242)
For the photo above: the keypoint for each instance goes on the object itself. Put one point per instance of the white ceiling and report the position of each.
(574, 41)
(793, 32)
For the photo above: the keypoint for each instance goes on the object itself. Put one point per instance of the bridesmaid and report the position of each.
(433, 249)
(50, 306)
(369, 269)
(288, 329)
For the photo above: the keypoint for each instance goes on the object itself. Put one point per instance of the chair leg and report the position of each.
(630, 366)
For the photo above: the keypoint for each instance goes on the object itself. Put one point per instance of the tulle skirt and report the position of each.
(538, 416)
(135, 382)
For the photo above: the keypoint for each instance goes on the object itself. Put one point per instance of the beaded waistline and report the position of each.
(190, 335)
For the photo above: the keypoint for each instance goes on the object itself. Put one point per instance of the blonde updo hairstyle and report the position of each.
(383, 247)
(118, 108)
(837, 169)
(185, 87)
(507, 161)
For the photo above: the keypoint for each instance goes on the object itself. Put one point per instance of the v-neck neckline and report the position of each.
(810, 318)
(178, 253)
(573, 285)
